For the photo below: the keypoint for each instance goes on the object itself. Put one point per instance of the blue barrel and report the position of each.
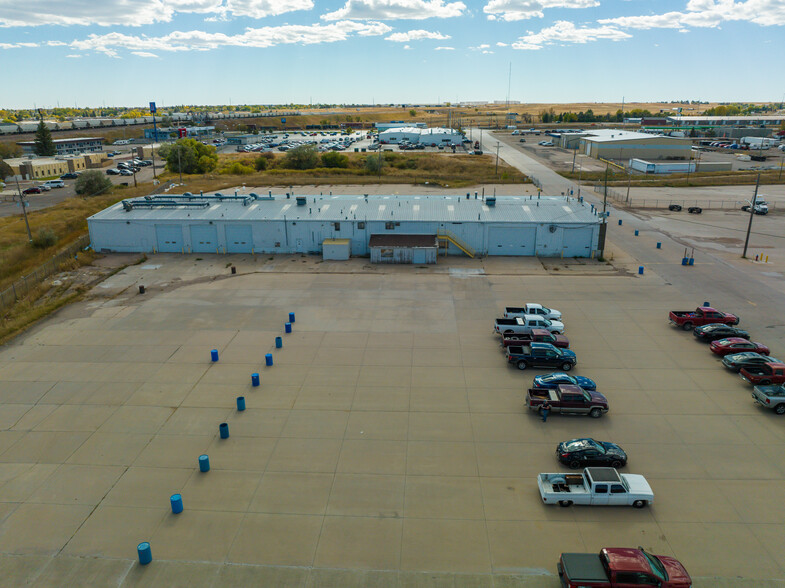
(268, 359)
(619, 222)
(278, 342)
(659, 245)
(706, 304)
(176, 501)
(684, 261)
(692, 261)
(636, 232)
(223, 430)
(145, 554)
(214, 355)
(287, 327)
(254, 380)
(241, 403)
(204, 463)
(291, 317)
(640, 270)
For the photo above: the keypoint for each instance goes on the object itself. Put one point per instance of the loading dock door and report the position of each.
(511, 241)
(204, 238)
(239, 239)
(577, 242)
(169, 238)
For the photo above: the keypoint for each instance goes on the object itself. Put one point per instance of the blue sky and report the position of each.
(129, 52)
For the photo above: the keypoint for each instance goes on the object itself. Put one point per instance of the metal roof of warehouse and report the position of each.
(515, 209)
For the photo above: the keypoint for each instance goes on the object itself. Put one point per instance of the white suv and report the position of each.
(55, 183)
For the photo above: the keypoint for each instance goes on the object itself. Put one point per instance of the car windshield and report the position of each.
(656, 566)
(723, 342)
(557, 378)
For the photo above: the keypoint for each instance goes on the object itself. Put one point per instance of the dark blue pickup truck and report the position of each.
(541, 355)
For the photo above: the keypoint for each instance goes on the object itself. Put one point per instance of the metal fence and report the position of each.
(22, 287)
(684, 202)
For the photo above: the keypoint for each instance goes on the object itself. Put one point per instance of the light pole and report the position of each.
(497, 158)
(574, 153)
(752, 213)
(24, 210)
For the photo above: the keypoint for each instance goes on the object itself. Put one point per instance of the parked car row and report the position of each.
(750, 359)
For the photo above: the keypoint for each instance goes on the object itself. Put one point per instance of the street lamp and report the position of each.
(497, 158)
(752, 213)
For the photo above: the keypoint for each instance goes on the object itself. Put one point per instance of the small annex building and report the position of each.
(249, 223)
(404, 248)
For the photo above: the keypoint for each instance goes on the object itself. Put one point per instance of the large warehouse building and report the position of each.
(510, 225)
(616, 144)
(434, 136)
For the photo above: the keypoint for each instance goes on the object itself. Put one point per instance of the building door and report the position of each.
(419, 256)
(204, 238)
(511, 241)
(239, 239)
(169, 238)
(577, 242)
(299, 246)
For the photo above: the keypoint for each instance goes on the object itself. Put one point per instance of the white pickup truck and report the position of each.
(532, 308)
(524, 325)
(595, 487)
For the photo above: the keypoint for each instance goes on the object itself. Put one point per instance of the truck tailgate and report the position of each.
(585, 567)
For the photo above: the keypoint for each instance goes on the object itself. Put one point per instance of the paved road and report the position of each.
(719, 275)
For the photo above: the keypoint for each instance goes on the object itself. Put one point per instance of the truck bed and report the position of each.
(562, 483)
(583, 567)
(543, 394)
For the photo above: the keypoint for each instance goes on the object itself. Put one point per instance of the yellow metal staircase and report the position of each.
(445, 235)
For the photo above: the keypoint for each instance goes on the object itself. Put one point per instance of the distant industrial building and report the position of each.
(164, 133)
(433, 137)
(71, 146)
(47, 167)
(755, 120)
(616, 144)
(461, 225)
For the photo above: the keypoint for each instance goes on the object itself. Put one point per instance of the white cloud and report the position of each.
(110, 43)
(416, 35)
(143, 54)
(56, 43)
(396, 9)
(500, 44)
(407, 47)
(512, 10)
(708, 14)
(17, 45)
(14, 13)
(74, 56)
(444, 49)
(566, 32)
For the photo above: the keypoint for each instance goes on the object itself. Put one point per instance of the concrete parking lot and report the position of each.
(387, 446)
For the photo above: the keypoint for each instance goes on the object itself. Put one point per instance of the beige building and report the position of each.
(625, 145)
(48, 167)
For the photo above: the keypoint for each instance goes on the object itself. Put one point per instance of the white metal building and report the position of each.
(440, 136)
(400, 135)
(510, 225)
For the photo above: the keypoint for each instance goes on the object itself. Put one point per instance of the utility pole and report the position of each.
(24, 210)
(179, 165)
(752, 213)
(574, 153)
(497, 158)
(604, 226)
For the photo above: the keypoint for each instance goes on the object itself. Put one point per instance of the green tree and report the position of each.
(189, 156)
(44, 146)
(9, 150)
(334, 159)
(92, 183)
(374, 163)
(412, 112)
(260, 163)
(302, 157)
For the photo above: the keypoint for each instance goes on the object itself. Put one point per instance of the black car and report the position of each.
(716, 331)
(579, 453)
(69, 176)
(746, 359)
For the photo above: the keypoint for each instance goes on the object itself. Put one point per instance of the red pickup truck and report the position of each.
(536, 336)
(703, 315)
(621, 567)
(766, 373)
(568, 399)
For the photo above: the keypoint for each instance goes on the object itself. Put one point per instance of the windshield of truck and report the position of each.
(656, 566)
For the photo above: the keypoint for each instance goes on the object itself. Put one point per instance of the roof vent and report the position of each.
(301, 201)
(490, 200)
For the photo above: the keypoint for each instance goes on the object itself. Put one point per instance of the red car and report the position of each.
(737, 345)
(33, 190)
